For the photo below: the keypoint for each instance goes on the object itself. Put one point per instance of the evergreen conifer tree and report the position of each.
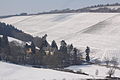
(87, 54)
(65, 55)
(33, 47)
(54, 45)
(75, 56)
(71, 47)
(5, 41)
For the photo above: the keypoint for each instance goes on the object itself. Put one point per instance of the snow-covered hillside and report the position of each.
(91, 70)
(16, 72)
(100, 31)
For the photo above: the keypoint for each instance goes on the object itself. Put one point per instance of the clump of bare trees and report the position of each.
(112, 64)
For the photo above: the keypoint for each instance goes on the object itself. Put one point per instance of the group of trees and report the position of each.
(102, 5)
(101, 8)
(49, 55)
(36, 50)
(6, 29)
(112, 64)
(105, 9)
(11, 31)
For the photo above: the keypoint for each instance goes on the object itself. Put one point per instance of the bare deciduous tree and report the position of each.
(114, 64)
(111, 72)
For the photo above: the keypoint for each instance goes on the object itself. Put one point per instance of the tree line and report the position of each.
(11, 31)
(68, 10)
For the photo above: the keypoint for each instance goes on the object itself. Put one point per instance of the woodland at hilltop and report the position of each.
(100, 8)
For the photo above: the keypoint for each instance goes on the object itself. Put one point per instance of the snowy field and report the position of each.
(15, 72)
(91, 69)
(100, 31)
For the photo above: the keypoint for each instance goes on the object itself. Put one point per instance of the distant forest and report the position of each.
(101, 8)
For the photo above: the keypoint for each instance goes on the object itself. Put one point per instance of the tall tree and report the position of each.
(65, 55)
(5, 48)
(5, 44)
(71, 46)
(54, 45)
(5, 41)
(33, 47)
(63, 47)
(75, 56)
(44, 43)
(87, 54)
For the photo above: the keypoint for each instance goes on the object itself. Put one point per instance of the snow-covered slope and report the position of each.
(100, 31)
(57, 26)
(91, 69)
(16, 72)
